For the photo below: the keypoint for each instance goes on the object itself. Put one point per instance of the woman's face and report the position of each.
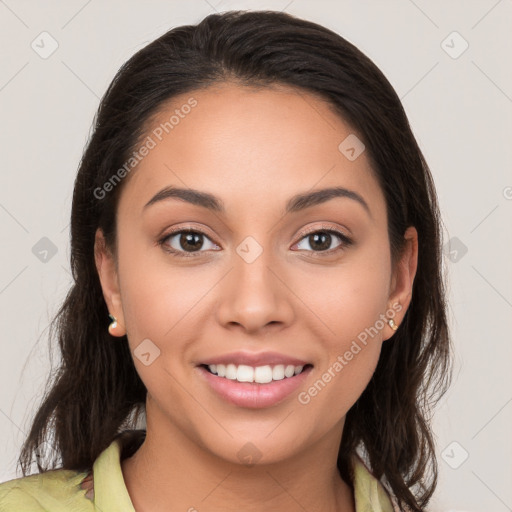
(262, 273)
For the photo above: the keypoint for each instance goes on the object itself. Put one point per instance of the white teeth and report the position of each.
(245, 373)
(258, 374)
(278, 372)
(289, 371)
(263, 374)
(231, 371)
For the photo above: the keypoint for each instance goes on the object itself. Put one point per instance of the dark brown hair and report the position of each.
(96, 392)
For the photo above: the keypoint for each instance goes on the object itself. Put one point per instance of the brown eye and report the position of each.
(185, 242)
(322, 241)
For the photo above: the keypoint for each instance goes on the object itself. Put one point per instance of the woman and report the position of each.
(256, 254)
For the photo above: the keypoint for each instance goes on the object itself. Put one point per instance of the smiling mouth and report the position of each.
(255, 374)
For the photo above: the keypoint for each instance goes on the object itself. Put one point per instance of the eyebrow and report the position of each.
(295, 204)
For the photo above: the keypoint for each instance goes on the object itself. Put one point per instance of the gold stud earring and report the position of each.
(392, 324)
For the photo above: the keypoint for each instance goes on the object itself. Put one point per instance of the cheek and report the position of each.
(337, 387)
(349, 305)
(352, 349)
(348, 299)
(159, 297)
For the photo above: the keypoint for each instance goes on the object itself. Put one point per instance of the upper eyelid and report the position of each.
(333, 229)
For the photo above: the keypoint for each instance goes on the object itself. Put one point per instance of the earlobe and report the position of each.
(403, 280)
(107, 273)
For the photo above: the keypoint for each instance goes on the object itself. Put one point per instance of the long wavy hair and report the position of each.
(96, 392)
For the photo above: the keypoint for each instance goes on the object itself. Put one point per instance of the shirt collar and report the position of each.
(110, 492)
(369, 493)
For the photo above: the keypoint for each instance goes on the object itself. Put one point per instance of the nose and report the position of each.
(255, 296)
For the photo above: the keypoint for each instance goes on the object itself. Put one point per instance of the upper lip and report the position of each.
(255, 359)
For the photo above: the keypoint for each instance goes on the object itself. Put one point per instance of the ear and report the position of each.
(107, 272)
(402, 280)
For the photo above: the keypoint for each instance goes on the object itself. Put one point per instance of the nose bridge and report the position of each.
(255, 296)
(252, 264)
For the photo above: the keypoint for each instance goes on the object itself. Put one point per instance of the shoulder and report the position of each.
(56, 490)
(64, 490)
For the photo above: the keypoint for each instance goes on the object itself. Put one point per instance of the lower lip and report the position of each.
(252, 394)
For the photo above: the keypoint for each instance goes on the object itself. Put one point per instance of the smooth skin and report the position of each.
(253, 149)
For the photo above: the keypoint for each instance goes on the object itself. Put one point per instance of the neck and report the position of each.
(170, 471)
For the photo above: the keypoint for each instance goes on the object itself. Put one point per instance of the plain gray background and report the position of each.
(459, 103)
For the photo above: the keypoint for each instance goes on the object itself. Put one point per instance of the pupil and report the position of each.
(192, 240)
(325, 237)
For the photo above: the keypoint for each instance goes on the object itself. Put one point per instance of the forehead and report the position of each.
(249, 146)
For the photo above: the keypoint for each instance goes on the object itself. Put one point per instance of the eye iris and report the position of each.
(189, 239)
(316, 237)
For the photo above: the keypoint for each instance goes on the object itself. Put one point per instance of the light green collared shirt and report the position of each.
(59, 490)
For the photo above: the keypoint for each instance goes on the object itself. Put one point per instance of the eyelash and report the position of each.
(345, 241)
